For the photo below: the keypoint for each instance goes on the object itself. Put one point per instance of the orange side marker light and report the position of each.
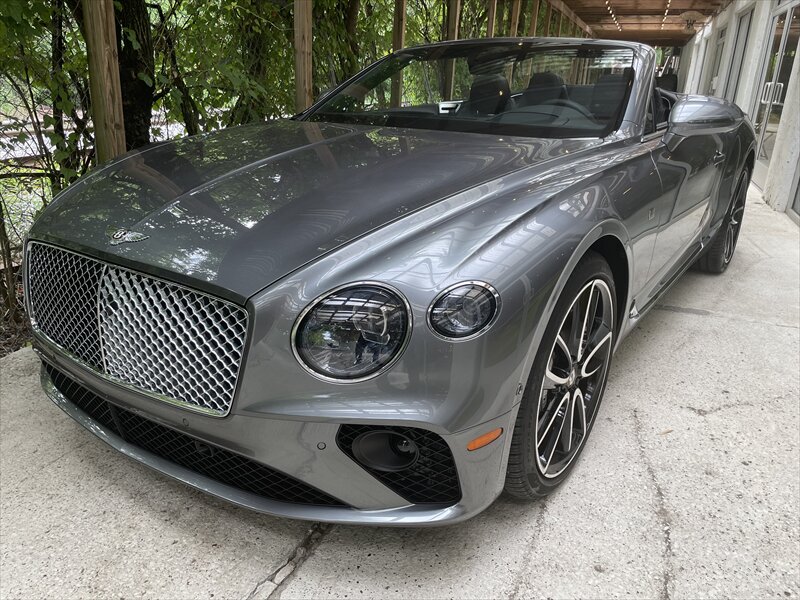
(485, 439)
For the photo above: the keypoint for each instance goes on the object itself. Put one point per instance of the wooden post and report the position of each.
(398, 41)
(104, 88)
(548, 17)
(302, 54)
(453, 19)
(516, 6)
(399, 26)
(534, 18)
(491, 16)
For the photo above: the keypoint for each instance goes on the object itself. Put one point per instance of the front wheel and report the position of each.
(720, 251)
(566, 383)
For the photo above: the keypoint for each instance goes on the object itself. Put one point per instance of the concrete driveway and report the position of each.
(689, 486)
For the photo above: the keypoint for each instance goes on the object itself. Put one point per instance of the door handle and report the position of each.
(718, 157)
(778, 95)
(766, 92)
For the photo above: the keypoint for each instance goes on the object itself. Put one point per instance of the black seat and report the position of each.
(543, 87)
(609, 92)
(489, 95)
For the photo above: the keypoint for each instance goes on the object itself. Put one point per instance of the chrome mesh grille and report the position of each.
(178, 345)
(63, 291)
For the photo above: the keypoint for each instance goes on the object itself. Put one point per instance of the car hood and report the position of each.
(237, 209)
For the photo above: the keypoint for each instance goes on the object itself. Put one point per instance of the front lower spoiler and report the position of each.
(409, 516)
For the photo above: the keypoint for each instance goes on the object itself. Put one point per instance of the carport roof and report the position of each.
(642, 20)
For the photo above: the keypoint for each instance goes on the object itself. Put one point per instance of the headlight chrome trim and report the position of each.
(488, 287)
(316, 301)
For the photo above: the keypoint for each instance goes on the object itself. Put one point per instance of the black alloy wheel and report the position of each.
(566, 383)
(720, 249)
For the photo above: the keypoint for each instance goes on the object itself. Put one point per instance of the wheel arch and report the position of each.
(611, 248)
(610, 239)
(750, 160)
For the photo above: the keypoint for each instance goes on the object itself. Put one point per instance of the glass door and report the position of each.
(774, 84)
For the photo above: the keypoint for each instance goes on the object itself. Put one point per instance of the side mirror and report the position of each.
(700, 115)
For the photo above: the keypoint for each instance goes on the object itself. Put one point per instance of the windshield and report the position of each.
(505, 88)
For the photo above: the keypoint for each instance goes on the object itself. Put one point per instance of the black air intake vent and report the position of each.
(184, 450)
(431, 479)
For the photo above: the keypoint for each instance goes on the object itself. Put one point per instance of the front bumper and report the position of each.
(304, 450)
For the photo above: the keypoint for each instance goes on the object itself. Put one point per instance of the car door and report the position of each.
(690, 169)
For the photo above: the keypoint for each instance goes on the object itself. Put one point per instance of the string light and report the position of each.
(666, 12)
(613, 15)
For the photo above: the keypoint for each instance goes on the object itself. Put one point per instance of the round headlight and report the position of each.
(353, 333)
(464, 310)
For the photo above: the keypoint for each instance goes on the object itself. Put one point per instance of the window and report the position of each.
(739, 46)
(715, 82)
(578, 90)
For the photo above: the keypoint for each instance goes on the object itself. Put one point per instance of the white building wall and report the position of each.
(697, 69)
(785, 161)
(695, 75)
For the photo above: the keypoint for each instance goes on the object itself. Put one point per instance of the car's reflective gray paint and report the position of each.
(224, 208)
(430, 210)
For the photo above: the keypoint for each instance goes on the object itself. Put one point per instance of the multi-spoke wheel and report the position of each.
(566, 383)
(721, 248)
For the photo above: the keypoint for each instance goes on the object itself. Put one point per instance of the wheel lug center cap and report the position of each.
(572, 378)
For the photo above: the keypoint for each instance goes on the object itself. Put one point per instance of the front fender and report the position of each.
(608, 228)
(523, 235)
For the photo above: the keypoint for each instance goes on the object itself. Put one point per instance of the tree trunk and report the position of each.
(7, 286)
(350, 25)
(136, 70)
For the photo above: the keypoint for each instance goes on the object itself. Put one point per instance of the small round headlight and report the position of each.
(464, 310)
(353, 333)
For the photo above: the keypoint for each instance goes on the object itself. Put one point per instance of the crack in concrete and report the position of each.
(703, 412)
(662, 512)
(273, 585)
(526, 555)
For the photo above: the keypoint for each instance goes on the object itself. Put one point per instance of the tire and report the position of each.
(532, 472)
(722, 246)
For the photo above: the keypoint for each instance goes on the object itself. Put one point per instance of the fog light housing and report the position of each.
(385, 450)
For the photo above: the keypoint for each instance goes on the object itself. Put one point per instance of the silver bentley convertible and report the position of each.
(402, 301)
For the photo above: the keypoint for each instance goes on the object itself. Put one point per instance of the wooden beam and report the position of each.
(398, 42)
(516, 7)
(534, 18)
(491, 16)
(104, 87)
(303, 96)
(567, 11)
(453, 20)
(560, 23)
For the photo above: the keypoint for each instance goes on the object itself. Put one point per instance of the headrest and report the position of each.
(545, 79)
(489, 94)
